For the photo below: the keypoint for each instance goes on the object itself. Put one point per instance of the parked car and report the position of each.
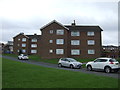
(23, 57)
(106, 64)
(69, 62)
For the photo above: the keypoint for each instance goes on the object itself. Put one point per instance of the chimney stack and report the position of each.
(73, 24)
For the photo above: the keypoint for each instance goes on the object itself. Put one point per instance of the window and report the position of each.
(17, 50)
(75, 33)
(90, 34)
(18, 44)
(18, 39)
(33, 51)
(75, 42)
(50, 41)
(91, 51)
(23, 50)
(91, 42)
(34, 40)
(60, 32)
(33, 45)
(23, 45)
(60, 41)
(51, 31)
(59, 51)
(50, 51)
(75, 52)
(23, 39)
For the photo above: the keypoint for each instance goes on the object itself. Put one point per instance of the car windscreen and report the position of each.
(113, 60)
(72, 60)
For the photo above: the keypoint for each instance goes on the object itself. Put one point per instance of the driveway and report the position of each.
(99, 73)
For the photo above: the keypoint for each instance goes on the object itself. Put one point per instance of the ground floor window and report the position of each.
(23, 50)
(75, 52)
(59, 51)
(33, 51)
(91, 51)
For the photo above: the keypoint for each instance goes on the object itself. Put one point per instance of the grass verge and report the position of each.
(23, 75)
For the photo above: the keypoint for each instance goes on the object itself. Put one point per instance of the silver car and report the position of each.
(69, 62)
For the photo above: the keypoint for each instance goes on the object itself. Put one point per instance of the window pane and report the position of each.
(23, 39)
(59, 51)
(91, 42)
(90, 33)
(91, 51)
(34, 40)
(75, 33)
(50, 41)
(60, 41)
(33, 51)
(75, 42)
(23, 45)
(23, 50)
(33, 45)
(51, 31)
(60, 32)
(75, 52)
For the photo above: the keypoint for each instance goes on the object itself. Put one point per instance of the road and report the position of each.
(99, 73)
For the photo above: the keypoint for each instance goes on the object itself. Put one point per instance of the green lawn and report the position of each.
(23, 75)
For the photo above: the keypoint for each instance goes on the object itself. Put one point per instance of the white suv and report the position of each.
(69, 62)
(106, 64)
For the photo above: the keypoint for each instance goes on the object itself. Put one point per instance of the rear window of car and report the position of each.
(103, 60)
(112, 60)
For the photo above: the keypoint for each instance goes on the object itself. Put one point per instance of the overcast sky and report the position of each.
(29, 16)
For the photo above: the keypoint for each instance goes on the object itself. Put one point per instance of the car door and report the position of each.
(96, 63)
(102, 63)
(66, 63)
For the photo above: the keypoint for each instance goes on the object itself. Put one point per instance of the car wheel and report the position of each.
(107, 69)
(59, 65)
(71, 66)
(89, 68)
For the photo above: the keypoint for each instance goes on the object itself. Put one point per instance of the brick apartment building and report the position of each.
(59, 40)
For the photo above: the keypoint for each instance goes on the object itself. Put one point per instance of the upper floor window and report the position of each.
(50, 41)
(23, 45)
(91, 51)
(59, 51)
(60, 32)
(23, 39)
(33, 45)
(51, 31)
(91, 42)
(59, 41)
(75, 52)
(75, 33)
(34, 40)
(75, 42)
(18, 39)
(90, 33)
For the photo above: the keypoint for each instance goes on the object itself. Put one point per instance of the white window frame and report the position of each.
(34, 40)
(75, 52)
(24, 39)
(75, 33)
(91, 51)
(33, 51)
(23, 45)
(60, 51)
(60, 32)
(51, 31)
(91, 42)
(50, 41)
(75, 42)
(59, 41)
(90, 33)
(33, 45)
(50, 51)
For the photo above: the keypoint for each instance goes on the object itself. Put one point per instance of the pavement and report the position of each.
(49, 65)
